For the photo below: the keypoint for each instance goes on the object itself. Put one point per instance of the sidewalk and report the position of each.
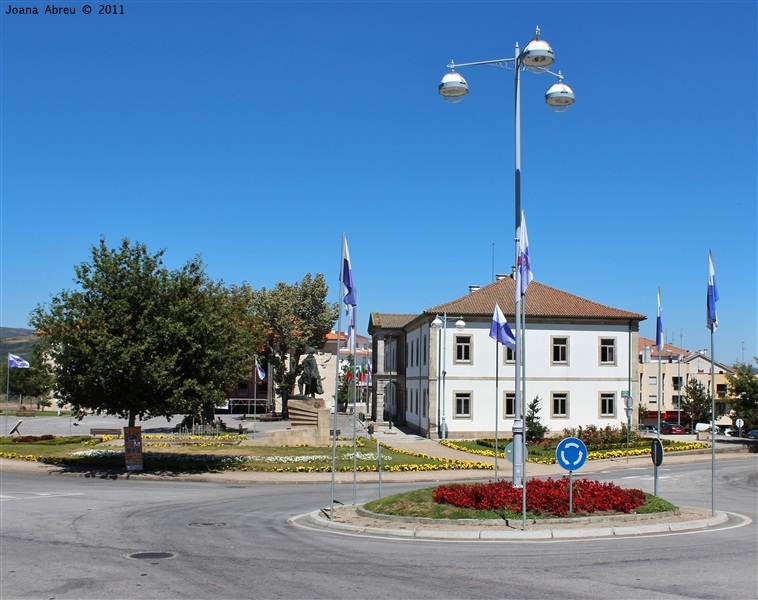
(399, 438)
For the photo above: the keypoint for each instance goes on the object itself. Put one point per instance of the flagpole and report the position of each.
(713, 434)
(7, 389)
(523, 408)
(355, 395)
(659, 344)
(497, 401)
(255, 396)
(337, 377)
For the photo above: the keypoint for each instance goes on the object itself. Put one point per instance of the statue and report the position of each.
(310, 381)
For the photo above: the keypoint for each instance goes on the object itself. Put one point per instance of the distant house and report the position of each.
(580, 357)
(678, 368)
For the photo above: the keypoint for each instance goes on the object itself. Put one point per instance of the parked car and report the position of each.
(648, 429)
(752, 434)
(672, 429)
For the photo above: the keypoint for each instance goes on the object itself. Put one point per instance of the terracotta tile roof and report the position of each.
(541, 301)
(389, 321)
(643, 342)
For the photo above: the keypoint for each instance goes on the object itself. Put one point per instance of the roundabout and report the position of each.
(354, 520)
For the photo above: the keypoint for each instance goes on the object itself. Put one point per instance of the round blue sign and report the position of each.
(571, 453)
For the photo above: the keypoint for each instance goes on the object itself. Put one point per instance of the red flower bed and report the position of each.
(543, 497)
(25, 439)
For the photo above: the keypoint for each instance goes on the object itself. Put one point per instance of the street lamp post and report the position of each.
(536, 57)
(437, 324)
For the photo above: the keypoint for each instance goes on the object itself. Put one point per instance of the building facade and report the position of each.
(580, 359)
(678, 368)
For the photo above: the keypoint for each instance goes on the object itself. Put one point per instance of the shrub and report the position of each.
(544, 497)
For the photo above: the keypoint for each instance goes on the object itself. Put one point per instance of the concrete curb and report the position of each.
(469, 533)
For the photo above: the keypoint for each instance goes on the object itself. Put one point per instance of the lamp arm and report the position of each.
(498, 63)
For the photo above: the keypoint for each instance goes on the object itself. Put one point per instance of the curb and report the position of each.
(556, 533)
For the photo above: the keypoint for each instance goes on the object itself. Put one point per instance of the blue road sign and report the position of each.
(571, 453)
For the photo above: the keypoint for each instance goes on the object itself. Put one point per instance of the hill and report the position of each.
(17, 341)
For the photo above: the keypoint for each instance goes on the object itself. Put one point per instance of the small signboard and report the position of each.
(509, 452)
(571, 453)
(133, 448)
(657, 452)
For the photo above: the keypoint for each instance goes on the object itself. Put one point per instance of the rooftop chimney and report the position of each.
(473, 288)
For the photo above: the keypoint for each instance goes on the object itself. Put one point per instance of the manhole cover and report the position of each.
(207, 524)
(151, 555)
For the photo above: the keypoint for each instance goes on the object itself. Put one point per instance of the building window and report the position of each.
(652, 380)
(463, 405)
(509, 405)
(509, 356)
(652, 399)
(676, 382)
(560, 351)
(425, 402)
(607, 404)
(559, 405)
(607, 351)
(721, 390)
(675, 400)
(463, 349)
(423, 350)
(720, 408)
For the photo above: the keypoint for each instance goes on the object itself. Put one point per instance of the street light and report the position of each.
(536, 57)
(438, 323)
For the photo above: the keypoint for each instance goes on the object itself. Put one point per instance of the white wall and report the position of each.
(584, 378)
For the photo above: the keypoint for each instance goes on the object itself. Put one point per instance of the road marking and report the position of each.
(36, 495)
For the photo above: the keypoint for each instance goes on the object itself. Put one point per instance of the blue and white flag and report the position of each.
(16, 362)
(712, 319)
(348, 289)
(499, 329)
(524, 263)
(659, 341)
(259, 370)
(351, 330)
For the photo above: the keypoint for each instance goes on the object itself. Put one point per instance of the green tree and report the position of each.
(137, 340)
(34, 382)
(743, 393)
(696, 402)
(295, 317)
(535, 430)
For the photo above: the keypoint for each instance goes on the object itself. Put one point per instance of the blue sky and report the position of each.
(255, 133)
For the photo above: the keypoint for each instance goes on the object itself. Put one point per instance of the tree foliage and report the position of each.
(696, 402)
(743, 393)
(296, 317)
(138, 340)
(36, 381)
(535, 430)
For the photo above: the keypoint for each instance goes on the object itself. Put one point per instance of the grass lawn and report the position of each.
(213, 453)
(419, 503)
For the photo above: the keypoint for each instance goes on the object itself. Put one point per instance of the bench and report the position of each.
(104, 431)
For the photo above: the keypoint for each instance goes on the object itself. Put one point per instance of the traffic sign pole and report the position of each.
(571, 454)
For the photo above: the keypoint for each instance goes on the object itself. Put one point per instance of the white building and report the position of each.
(580, 357)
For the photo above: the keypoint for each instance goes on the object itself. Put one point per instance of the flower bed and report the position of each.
(548, 497)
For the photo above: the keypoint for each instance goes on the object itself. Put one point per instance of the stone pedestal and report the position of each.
(309, 420)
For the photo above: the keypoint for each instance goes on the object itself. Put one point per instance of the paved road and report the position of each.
(72, 537)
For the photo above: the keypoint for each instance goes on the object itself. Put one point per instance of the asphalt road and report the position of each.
(77, 537)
